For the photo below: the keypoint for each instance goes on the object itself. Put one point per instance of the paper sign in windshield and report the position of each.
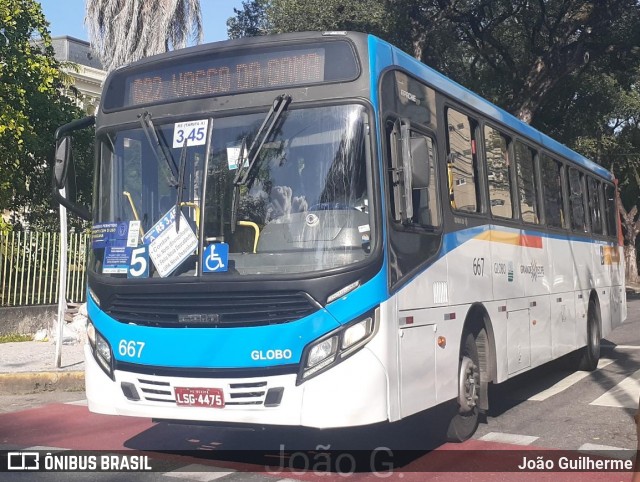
(233, 156)
(168, 248)
(116, 259)
(115, 234)
(194, 132)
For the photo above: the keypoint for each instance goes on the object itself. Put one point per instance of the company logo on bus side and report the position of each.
(285, 354)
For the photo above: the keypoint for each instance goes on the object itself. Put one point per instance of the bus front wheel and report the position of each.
(464, 421)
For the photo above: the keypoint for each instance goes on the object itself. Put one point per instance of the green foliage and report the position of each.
(15, 337)
(261, 17)
(300, 15)
(250, 21)
(31, 109)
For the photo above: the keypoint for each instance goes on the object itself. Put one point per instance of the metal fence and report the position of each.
(29, 268)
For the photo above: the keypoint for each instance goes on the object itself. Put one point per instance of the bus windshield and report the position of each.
(303, 205)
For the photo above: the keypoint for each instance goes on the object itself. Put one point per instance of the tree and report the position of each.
(261, 17)
(568, 67)
(250, 21)
(31, 109)
(602, 121)
(300, 15)
(122, 31)
(522, 51)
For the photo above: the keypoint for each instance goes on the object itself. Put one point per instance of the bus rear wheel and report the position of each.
(464, 421)
(590, 354)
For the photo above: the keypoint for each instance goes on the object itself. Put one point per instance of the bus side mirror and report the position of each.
(63, 158)
(63, 165)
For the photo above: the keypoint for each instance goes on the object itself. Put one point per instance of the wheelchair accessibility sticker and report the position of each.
(215, 258)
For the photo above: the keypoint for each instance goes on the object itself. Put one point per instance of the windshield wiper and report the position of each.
(180, 187)
(152, 136)
(279, 105)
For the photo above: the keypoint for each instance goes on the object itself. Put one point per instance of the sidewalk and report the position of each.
(29, 367)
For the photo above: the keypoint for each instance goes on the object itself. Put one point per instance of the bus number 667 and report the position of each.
(131, 349)
(478, 266)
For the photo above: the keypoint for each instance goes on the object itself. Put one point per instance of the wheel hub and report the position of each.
(468, 380)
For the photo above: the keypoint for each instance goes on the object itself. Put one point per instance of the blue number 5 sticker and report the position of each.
(139, 264)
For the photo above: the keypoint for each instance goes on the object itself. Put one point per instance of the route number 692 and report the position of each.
(131, 349)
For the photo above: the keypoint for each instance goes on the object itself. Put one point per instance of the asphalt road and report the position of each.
(558, 408)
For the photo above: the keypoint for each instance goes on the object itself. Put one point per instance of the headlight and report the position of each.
(101, 349)
(337, 346)
(91, 334)
(322, 352)
(357, 332)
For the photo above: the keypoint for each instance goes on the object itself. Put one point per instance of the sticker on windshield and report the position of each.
(194, 132)
(233, 156)
(215, 258)
(168, 248)
(134, 234)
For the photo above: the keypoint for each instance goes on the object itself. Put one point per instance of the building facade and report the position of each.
(81, 63)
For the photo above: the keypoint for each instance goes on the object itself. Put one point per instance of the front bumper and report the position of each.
(351, 393)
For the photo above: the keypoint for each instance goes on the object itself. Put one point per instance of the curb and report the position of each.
(36, 382)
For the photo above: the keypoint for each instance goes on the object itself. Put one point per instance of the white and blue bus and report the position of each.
(315, 229)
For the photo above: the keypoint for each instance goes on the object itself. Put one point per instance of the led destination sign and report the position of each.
(215, 74)
(241, 74)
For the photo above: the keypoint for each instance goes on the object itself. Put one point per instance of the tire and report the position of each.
(590, 354)
(464, 420)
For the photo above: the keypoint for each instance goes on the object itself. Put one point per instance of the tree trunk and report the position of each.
(630, 259)
(631, 231)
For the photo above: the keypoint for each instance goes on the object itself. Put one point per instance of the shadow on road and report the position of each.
(398, 443)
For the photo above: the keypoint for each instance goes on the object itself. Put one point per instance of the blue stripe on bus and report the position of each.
(211, 348)
(360, 300)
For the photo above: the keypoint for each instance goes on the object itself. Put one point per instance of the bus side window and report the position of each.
(595, 197)
(576, 201)
(498, 172)
(462, 163)
(552, 192)
(424, 198)
(611, 210)
(527, 183)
